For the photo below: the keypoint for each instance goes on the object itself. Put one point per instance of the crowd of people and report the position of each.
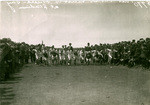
(129, 53)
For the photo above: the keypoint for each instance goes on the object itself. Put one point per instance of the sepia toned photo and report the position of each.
(74, 52)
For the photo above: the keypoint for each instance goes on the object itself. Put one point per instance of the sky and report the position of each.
(78, 23)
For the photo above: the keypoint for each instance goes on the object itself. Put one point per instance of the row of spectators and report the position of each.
(12, 57)
(131, 53)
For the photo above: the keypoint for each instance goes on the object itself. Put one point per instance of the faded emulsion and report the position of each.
(74, 52)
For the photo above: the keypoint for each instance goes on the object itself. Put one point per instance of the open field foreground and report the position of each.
(77, 85)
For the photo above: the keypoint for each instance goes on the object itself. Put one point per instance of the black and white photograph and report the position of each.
(74, 52)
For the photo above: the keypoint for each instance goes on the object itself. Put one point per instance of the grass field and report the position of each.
(77, 85)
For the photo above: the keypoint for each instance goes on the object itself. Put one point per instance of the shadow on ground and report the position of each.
(6, 90)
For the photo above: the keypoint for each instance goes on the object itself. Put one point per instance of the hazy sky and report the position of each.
(76, 23)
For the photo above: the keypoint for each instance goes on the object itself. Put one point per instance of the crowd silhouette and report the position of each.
(128, 53)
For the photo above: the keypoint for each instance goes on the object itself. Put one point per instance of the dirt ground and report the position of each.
(77, 85)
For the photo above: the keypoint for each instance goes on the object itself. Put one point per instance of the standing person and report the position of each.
(70, 47)
(22, 54)
(115, 57)
(26, 54)
(38, 55)
(64, 54)
(49, 56)
(143, 57)
(81, 56)
(8, 58)
(147, 51)
(32, 55)
(60, 56)
(75, 54)
(16, 54)
(57, 56)
(109, 56)
(100, 57)
(70, 53)
(45, 56)
(2, 61)
(41, 56)
(94, 56)
(54, 55)
(88, 55)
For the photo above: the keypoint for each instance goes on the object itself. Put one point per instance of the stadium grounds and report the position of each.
(77, 85)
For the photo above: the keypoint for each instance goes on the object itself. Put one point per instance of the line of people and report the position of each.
(124, 53)
(130, 53)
